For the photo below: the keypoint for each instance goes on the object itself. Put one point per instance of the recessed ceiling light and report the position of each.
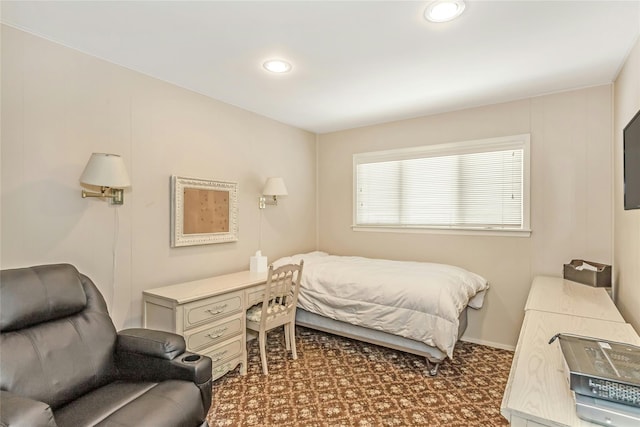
(444, 10)
(277, 66)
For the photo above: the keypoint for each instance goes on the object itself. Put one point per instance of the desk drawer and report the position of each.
(215, 334)
(255, 295)
(227, 355)
(219, 370)
(227, 350)
(210, 309)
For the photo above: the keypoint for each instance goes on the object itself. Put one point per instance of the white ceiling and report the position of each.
(354, 63)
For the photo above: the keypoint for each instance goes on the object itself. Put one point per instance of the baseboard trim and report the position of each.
(489, 343)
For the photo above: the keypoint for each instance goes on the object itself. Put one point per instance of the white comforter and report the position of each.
(416, 300)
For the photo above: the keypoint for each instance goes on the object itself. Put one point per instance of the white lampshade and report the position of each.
(274, 187)
(105, 170)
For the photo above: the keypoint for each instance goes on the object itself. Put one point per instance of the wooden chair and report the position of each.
(278, 308)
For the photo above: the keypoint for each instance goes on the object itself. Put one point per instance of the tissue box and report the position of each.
(258, 264)
(599, 278)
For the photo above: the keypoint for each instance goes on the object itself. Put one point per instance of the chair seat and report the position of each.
(127, 404)
(254, 314)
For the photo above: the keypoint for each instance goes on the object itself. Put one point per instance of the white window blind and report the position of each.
(476, 185)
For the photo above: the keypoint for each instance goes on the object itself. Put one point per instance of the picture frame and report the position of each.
(203, 211)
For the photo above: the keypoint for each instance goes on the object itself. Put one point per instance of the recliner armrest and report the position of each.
(156, 355)
(19, 411)
(159, 362)
(150, 342)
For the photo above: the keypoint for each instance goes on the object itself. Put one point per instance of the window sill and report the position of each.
(444, 230)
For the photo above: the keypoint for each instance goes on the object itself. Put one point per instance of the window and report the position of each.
(474, 185)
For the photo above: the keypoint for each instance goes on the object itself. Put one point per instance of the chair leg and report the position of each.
(292, 338)
(287, 337)
(263, 351)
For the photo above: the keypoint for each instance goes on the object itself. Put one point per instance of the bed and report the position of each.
(417, 307)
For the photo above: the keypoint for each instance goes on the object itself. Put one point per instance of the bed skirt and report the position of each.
(372, 336)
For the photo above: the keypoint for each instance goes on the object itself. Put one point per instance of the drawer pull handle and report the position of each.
(220, 369)
(217, 334)
(219, 356)
(216, 310)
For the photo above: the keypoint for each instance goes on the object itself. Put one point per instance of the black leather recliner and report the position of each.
(63, 364)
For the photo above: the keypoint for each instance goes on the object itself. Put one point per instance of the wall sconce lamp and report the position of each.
(274, 187)
(108, 172)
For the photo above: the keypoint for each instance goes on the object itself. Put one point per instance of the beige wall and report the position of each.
(59, 106)
(626, 223)
(571, 171)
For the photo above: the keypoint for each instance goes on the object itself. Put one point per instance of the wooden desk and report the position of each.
(556, 295)
(537, 389)
(209, 313)
(537, 392)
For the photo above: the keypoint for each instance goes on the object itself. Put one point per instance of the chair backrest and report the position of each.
(281, 294)
(57, 340)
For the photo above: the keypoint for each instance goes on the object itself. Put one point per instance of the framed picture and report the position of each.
(203, 211)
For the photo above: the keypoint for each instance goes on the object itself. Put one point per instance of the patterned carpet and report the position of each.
(341, 382)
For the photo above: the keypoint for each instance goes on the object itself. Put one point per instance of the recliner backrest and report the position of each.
(57, 340)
